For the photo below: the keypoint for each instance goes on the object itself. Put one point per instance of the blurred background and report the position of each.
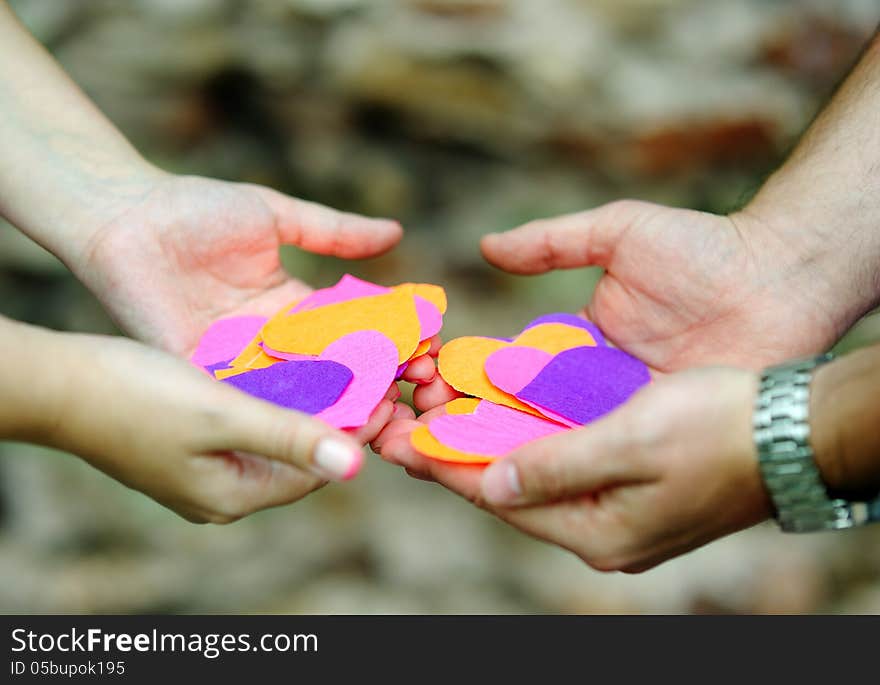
(458, 117)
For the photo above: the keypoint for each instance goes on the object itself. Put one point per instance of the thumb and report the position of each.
(290, 437)
(561, 466)
(583, 239)
(323, 230)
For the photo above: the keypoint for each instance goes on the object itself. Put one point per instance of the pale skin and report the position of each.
(786, 276)
(166, 256)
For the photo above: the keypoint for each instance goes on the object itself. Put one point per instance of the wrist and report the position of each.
(35, 383)
(752, 496)
(100, 200)
(843, 419)
(820, 238)
(802, 276)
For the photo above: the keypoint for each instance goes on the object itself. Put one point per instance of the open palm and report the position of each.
(681, 288)
(193, 249)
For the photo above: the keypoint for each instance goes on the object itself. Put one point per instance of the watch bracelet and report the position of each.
(786, 459)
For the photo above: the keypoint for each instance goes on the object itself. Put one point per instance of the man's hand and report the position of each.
(669, 471)
(682, 288)
(190, 250)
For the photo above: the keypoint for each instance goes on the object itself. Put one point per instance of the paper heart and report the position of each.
(584, 383)
(225, 339)
(461, 361)
(512, 368)
(372, 359)
(430, 300)
(346, 288)
(306, 386)
(310, 332)
(480, 431)
(571, 320)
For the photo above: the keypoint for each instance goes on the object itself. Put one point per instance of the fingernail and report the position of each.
(335, 460)
(501, 484)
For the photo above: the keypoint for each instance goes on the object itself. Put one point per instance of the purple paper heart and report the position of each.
(583, 383)
(307, 386)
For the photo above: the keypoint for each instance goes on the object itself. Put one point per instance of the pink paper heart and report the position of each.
(225, 338)
(347, 288)
(491, 430)
(372, 358)
(511, 369)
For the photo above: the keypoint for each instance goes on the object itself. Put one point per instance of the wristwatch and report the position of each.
(781, 430)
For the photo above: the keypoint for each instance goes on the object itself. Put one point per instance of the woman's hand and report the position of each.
(155, 423)
(671, 470)
(190, 250)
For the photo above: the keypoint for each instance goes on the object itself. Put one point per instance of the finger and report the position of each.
(463, 479)
(403, 412)
(403, 425)
(421, 370)
(230, 485)
(400, 427)
(563, 465)
(393, 393)
(323, 230)
(436, 344)
(252, 425)
(378, 419)
(565, 242)
(434, 394)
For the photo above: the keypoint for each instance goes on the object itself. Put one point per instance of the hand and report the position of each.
(201, 448)
(671, 470)
(683, 288)
(186, 251)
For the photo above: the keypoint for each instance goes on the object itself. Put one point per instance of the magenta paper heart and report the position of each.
(513, 368)
(225, 338)
(491, 430)
(372, 358)
(347, 288)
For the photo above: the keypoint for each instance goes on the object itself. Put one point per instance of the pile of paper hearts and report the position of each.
(333, 354)
(557, 374)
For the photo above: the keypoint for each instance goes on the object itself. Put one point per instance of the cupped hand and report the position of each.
(683, 288)
(186, 251)
(203, 449)
(671, 470)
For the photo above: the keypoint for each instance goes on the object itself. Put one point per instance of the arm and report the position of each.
(65, 169)
(823, 204)
(201, 448)
(671, 470)
(845, 415)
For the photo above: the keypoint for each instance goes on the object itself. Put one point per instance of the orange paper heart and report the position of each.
(309, 332)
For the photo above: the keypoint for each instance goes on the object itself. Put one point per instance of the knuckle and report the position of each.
(624, 207)
(544, 479)
(291, 439)
(218, 503)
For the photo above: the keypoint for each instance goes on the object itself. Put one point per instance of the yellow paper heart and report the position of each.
(309, 332)
(427, 291)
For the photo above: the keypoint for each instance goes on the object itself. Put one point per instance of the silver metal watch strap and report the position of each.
(782, 438)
